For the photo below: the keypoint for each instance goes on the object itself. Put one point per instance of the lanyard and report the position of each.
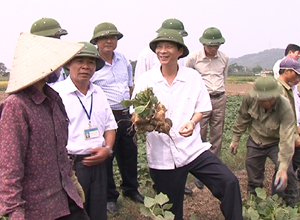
(88, 115)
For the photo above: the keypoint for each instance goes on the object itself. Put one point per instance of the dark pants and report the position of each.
(94, 183)
(76, 212)
(126, 154)
(213, 173)
(296, 161)
(255, 165)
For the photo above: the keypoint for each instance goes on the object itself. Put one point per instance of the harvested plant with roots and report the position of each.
(149, 115)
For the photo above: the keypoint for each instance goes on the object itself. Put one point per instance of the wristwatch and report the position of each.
(110, 150)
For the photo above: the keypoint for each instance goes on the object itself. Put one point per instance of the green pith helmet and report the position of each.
(212, 36)
(47, 27)
(171, 36)
(175, 24)
(265, 88)
(105, 29)
(89, 50)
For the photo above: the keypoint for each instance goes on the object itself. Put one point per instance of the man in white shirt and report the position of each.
(292, 51)
(92, 128)
(183, 92)
(147, 59)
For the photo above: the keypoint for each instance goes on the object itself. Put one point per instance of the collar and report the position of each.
(203, 55)
(284, 84)
(71, 88)
(115, 58)
(158, 77)
(38, 97)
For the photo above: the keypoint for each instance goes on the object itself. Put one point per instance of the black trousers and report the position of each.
(125, 152)
(296, 159)
(76, 212)
(255, 165)
(213, 173)
(94, 183)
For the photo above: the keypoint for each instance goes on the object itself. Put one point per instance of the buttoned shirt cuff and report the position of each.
(236, 138)
(17, 214)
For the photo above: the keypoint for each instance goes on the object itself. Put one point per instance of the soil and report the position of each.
(238, 89)
(202, 203)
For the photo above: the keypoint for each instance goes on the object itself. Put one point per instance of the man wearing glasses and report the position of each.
(115, 79)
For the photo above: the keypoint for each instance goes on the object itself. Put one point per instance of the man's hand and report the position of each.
(233, 147)
(187, 129)
(281, 180)
(100, 154)
(297, 142)
(299, 129)
(78, 187)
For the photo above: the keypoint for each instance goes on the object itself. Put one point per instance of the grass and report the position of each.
(3, 83)
(240, 79)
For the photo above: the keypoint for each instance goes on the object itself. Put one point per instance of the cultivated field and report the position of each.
(202, 204)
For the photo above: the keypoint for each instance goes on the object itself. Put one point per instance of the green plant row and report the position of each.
(268, 207)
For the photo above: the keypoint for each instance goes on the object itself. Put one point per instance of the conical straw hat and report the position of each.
(36, 57)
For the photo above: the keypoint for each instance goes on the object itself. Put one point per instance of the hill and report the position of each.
(265, 59)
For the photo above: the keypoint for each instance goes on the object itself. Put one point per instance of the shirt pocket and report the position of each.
(272, 125)
(99, 120)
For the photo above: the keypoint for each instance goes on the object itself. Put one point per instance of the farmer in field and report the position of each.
(270, 120)
(289, 77)
(115, 79)
(147, 59)
(91, 129)
(49, 27)
(212, 64)
(37, 181)
(291, 51)
(185, 96)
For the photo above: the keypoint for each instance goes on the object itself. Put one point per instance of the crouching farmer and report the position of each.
(270, 120)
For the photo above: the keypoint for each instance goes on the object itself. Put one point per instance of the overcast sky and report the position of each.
(248, 26)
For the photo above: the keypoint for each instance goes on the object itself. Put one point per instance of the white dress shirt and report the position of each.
(102, 116)
(276, 67)
(186, 96)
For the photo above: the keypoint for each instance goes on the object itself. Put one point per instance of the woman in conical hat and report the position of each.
(36, 176)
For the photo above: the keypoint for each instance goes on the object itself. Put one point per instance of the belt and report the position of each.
(78, 157)
(121, 112)
(215, 96)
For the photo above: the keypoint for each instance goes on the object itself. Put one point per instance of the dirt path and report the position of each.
(238, 89)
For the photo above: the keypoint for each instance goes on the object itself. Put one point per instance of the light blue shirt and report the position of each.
(115, 80)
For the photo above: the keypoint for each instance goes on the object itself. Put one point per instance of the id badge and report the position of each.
(91, 132)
